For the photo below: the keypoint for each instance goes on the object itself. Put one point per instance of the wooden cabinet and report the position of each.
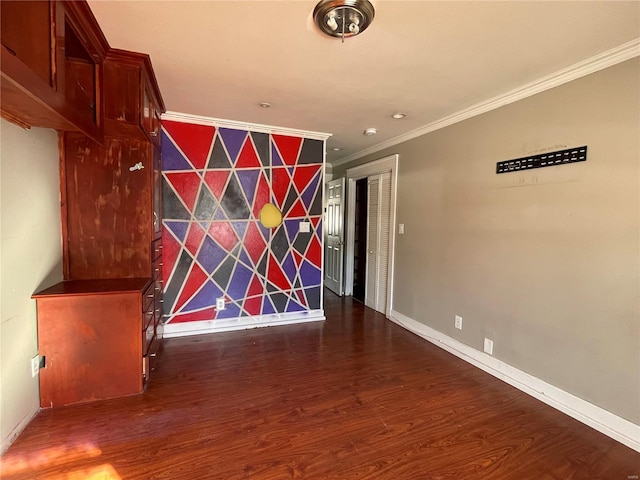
(51, 66)
(101, 328)
(108, 207)
(93, 335)
(133, 102)
(112, 203)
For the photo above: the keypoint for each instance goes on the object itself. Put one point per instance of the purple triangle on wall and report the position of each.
(275, 156)
(172, 159)
(233, 140)
(179, 229)
(309, 194)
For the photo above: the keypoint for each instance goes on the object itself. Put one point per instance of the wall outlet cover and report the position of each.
(458, 322)
(488, 346)
(220, 303)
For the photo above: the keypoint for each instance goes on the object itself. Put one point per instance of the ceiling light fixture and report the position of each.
(265, 105)
(336, 149)
(370, 131)
(398, 115)
(343, 18)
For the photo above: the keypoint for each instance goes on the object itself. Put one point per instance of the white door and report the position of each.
(334, 239)
(378, 241)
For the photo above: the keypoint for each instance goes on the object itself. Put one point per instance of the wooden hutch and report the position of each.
(99, 330)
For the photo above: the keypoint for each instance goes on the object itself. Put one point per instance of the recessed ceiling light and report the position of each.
(398, 115)
(370, 131)
(265, 105)
(336, 149)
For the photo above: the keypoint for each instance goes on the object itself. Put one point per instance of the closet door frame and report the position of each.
(377, 167)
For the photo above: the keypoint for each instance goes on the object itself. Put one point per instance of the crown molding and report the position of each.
(252, 127)
(616, 55)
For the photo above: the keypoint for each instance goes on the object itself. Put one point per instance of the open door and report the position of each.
(334, 236)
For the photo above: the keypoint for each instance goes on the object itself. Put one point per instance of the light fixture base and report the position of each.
(343, 18)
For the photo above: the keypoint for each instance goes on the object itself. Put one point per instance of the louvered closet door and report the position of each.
(378, 241)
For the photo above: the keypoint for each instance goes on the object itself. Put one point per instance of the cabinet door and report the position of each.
(94, 353)
(109, 212)
(150, 115)
(26, 33)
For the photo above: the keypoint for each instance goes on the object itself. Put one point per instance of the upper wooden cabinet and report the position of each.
(133, 103)
(51, 66)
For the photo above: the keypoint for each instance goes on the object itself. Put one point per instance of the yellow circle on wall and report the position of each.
(270, 215)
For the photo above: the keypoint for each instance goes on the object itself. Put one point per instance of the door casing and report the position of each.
(383, 165)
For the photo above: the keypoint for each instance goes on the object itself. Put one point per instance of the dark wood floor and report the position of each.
(354, 397)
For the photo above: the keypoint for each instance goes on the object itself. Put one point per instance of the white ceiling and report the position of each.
(428, 59)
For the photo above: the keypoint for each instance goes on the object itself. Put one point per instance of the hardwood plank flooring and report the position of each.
(354, 397)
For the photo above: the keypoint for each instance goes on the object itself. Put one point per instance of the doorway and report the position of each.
(378, 236)
(360, 241)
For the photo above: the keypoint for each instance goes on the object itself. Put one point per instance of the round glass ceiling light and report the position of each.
(398, 115)
(343, 18)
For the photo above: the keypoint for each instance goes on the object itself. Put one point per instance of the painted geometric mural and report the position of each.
(215, 182)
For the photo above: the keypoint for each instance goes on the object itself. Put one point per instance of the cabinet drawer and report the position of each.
(156, 249)
(147, 298)
(147, 337)
(157, 269)
(147, 318)
(150, 358)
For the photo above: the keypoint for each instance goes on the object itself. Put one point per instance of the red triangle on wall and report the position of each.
(194, 140)
(280, 182)
(276, 276)
(253, 305)
(194, 238)
(186, 185)
(297, 210)
(248, 157)
(262, 196)
(303, 175)
(170, 252)
(256, 287)
(224, 235)
(194, 281)
(314, 252)
(216, 180)
(289, 148)
(206, 314)
(254, 244)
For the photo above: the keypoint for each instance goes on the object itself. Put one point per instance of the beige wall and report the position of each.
(545, 263)
(30, 258)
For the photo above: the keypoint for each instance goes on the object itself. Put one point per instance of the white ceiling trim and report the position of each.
(623, 52)
(252, 127)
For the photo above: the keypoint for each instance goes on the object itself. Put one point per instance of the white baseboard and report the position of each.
(182, 329)
(613, 426)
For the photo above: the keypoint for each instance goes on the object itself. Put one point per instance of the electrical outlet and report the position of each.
(35, 366)
(488, 346)
(220, 303)
(458, 322)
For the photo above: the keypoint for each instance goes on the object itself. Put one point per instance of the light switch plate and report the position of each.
(401, 228)
(305, 227)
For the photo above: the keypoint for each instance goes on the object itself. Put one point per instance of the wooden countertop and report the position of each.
(88, 287)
